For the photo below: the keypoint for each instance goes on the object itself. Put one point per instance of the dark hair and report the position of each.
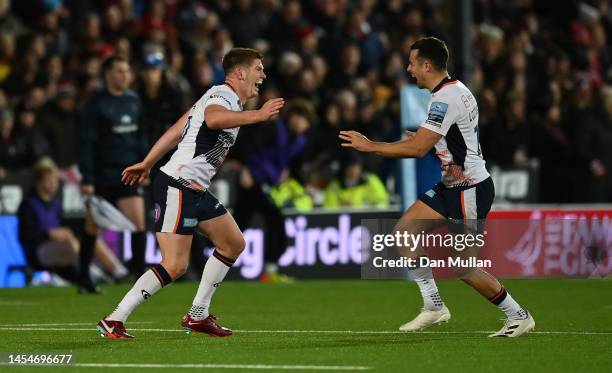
(303, 108)
(240, 57)
(434, 50)
(108, 63)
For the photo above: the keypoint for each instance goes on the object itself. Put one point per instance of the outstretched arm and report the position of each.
(218, 117)
(169, 140)
(415, 146)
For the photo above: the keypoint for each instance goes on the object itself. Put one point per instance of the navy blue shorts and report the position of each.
(458, 203)
(179, 209)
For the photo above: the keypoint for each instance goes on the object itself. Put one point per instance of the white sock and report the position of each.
(214, 272)
(504, 301)
(423, 277)
(147, 285)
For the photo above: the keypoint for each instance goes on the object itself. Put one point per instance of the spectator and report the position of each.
(113, 136)
(48, 243)
(267, 164)
(161, 101)
(316, 49)
(593, 140)
(555, 150)
(284, 25)
(510, 134)
(9, 24)
(355, 188)
(59, 123)
(23, 145)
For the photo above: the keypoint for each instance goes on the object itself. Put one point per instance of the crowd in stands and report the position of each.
(541, 74)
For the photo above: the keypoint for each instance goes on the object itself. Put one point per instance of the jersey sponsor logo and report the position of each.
(221, 97)
(437, 112)
(467, 100)
(432, 123)
(125, 128)
(190, 222)
(126, 119)
(473, 114)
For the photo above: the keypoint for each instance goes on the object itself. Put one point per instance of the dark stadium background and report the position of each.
(541, 73)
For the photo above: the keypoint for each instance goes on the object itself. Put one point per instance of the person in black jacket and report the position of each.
(592, 141)
(162, 102)
(113, 136)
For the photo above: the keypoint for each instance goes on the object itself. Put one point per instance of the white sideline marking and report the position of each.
(18, 328)
(17, 303)
(69, 324)
(211, 366)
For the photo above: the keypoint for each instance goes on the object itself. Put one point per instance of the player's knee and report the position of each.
(232, 248)
(237, 245)
(175, 268)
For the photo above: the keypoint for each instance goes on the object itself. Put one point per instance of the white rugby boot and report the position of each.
(425, 319)
(515, 328)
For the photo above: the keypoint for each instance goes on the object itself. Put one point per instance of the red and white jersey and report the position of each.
(202, 150)
(453, 113)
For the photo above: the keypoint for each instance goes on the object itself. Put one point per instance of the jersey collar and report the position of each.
(444, 81)
(230, 87)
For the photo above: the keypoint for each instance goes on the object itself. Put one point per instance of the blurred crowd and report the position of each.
(541, 72)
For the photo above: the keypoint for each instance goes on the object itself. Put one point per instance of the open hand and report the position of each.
(136, 174)
(271, 108)
(355, 140)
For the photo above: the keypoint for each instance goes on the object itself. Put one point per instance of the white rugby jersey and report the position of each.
(202, 150)
(453, 113)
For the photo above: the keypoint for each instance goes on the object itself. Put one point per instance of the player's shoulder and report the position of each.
(221, 92)
(451, 92)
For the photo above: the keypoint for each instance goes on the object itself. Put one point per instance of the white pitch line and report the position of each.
(68, 324)
(208, 366)
(398, 332)
(314, 331)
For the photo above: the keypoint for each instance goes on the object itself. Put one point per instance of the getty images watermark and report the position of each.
(391, 250)
(405, 241)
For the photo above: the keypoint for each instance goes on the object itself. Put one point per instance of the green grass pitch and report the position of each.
(275, 328)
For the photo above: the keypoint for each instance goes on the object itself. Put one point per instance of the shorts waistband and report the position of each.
(181, 183)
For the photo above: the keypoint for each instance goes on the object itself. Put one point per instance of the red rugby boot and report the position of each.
(207, 325)
(112, 329)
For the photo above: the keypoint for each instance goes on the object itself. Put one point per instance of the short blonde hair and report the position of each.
(45, 167)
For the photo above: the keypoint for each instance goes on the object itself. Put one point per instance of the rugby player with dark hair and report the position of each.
(465, 194)
(204, 135)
